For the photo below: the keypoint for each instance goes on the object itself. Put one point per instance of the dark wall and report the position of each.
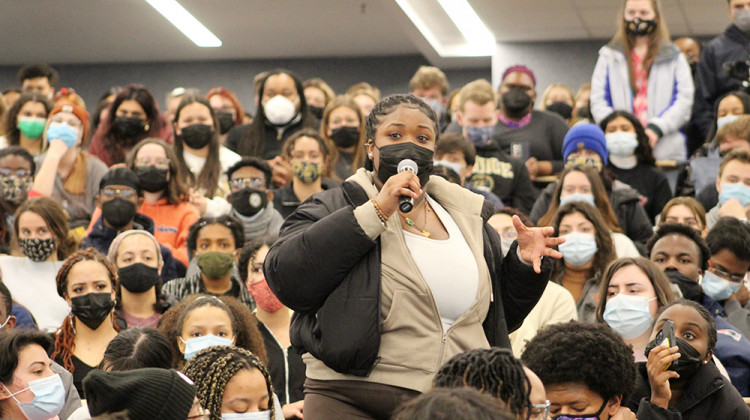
(390, 74)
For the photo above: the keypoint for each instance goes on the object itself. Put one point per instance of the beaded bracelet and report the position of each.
(379, 211)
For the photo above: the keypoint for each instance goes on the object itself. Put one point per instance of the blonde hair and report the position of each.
(428, 77)
(479, 91)
(548, 91)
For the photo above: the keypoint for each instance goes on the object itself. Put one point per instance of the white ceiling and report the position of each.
(100, 31)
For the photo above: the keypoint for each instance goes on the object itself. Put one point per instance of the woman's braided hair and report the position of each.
(212, 369)
(492, 371)
(66, 334)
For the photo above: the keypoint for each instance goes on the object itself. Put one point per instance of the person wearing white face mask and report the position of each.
(67, 173)
(630, 159)
(587, 250)
(30, 389)
(282, 110)
(556, 303)
(631, 292)
(711, 79)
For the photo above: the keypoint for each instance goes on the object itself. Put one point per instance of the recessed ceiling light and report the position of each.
(479, 40)
(185, 22)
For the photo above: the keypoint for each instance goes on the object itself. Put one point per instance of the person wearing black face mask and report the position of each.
(680, 251)
(164, 194)
(137, 256)
(133, 116)
(532, 136)
(119, 196)
(343, 124)
(228, 110)
(348, 254)
(252, 199)
(87, 281)
(681, 381)
(642, 72)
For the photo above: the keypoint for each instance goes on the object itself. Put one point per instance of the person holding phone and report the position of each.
(679, 380)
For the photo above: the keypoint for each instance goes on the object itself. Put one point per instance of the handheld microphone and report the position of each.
(406, 203)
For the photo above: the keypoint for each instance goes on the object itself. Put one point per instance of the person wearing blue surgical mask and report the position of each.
(631, 292)
(587, 250)
(625, 218)
(29, 388)
(632, 162)
(202, 321)
(733, 186)
(494, 169)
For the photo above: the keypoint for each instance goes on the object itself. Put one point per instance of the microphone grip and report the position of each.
(405, 203)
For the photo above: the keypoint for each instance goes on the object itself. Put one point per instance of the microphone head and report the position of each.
(407, 165)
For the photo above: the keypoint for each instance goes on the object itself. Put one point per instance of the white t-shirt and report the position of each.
(32, 284)
(448, 267)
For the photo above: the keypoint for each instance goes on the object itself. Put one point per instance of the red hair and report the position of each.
(228, 94)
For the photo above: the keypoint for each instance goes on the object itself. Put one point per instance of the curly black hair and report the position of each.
(493, 371)
(686, 231)
(256, 163)
(234, 225)
(589, 354)
(731, 234)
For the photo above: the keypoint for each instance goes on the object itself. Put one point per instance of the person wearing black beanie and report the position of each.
(147, 394)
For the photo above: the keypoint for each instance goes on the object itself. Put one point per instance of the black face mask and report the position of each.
(249, 201)
(639, 27)
(516, 102)
(151, 178)
(197, 136)
(92, 309)
(118, 212)
(393, 154)
(129, 128)
(317, 111)
(562, 109)
(138, 277)
(345, 136)
(226, 121)
(688, 363)
(690, 289)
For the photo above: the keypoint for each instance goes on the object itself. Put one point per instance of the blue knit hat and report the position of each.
(592, 138)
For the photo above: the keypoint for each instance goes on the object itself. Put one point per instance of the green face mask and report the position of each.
(307, 172)
(215, 265)
(31, 127)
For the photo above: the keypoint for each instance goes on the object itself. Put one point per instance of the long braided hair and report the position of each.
(66, 334)
(493, 371)
(212, 369)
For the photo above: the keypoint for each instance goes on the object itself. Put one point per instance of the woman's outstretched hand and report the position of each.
(535, 243)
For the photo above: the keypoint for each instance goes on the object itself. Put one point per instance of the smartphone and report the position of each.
(665, 337)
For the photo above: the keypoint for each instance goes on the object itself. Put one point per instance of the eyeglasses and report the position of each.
(242, 183)
(736, 278)
(159, 163)
(539, 411)
(17, 172)
(125, 193)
